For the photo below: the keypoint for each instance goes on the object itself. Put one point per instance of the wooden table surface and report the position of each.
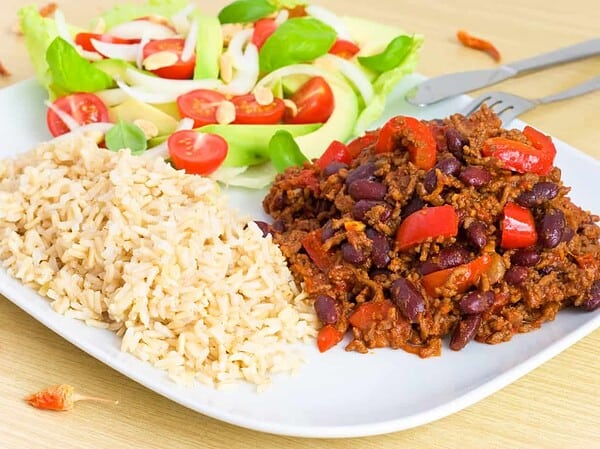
(555, 406)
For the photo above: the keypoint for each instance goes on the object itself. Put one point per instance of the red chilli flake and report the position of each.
(476, 43)
(60, 398)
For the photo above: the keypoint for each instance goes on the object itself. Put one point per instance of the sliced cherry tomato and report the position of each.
(84, 40)
(360, 143)
(249, 112)
(200, 105)
(412, 133)
(314, 248)
(370, 313)
(518, 227)
(336, 151)
(179, 70)
(461, 277)
(430, 222)
(263, 29)
(314, 101)
(83, 107)
(536, 158)
(197, 153)
(328, 337)
(344, 49)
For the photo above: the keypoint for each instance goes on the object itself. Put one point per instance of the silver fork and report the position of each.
(508, 106)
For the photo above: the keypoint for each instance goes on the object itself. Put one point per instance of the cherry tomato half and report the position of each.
(263, 29)
(197, 153)
(83, 107)
(200, 105)
(249, 112)
(181, 69)
(84, 40)
(344, 49)
(314, 101)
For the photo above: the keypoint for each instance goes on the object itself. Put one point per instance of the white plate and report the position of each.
(337, 394)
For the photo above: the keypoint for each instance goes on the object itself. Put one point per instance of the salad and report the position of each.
(264, 85)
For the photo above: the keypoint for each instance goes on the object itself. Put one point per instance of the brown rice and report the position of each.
(156, 255)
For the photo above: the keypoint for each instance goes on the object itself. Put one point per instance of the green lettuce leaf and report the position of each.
(209, 46)
(130, 11)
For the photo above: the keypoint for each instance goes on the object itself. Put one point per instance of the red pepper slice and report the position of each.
(417, 136)
(314, 248)
(463, 276)
(336, 151)
(328, 337)
(518, 227)
(536, 158)
(431, 222)
(360, 143)
(369, 313)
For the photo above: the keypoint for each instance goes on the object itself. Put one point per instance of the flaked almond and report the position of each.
(226, 67)
(96, 136)
(225, 112)
(291, 106)
(100, 26)
(228, 30)
(159, 60)
(263, 96)
(89, 55)
(148, 128)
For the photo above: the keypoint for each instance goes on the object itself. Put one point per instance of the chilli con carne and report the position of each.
(471, 244)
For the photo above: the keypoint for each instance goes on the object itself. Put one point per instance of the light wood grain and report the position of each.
(555, 406)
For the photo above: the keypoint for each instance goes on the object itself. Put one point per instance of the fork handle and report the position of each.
(566, 54)
(583, 88)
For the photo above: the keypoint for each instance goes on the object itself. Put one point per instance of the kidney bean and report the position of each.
(380, 249)
(415, 204)
(430, 180)
(593, 300)
(475, 176)
(363, 189)
(407, 298)
(546, 270)
(353, 255)
(278, 226)
(453, 256)
(334, 167)
(476, 302)
(477, 234)
(455, 141)
(386, 213)
(326, 308)
(449, 166)
(429, 267)
(541, 191)
(327, 231)
(526, 257)
(365, 171)
(516, 275)
(361, 207)
(527, 199)
(465, 331)
(551, 228)
(263, 226)
(567, 234)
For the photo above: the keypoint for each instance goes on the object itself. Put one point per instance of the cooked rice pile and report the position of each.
(155, 255)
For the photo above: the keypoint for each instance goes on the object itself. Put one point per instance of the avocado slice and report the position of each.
(132, 109)
(209, 46)
(115, 68)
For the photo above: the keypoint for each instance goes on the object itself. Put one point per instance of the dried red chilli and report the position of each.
(476, 43)
(60, 398)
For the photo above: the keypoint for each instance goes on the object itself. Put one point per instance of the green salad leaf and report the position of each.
(289, 4)
(284, 151)
(209, 46)
(244, 11)
(71, 72)
(393, 55)
(296, 40)
(126, 135)
(130, 11)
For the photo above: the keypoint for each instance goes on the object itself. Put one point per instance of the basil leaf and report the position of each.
(73, 73)
(243, 11)
(296, 40)
(284, 151)
(393, 55)
(126, 135)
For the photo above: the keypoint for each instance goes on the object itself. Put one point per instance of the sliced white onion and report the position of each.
(174, 88)
(62, 28)
(145, 96)
(137, 28)
(126, 52)
(282, 17)
(244, 79)
(329, 18)
(236, 46)
(101, 127)
(355, 75)
(162, 150)
(180, 19)
(89, 55)
(139, 57)
(66, 118)
(189, 45)
(295, 69)
(111, 97)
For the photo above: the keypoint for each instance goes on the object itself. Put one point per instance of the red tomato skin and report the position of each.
(263, 28)
(314, 101)
(179, 70)
(328, 337)
(518, 227)
(85, 40)
(369, 313)
(336, 151)
(200, 105)
(313, 246)
(198, 154)
(431, 222)
(356, 146)
(469, 276)
(84, 107)
(249, 112)
(344, 49)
